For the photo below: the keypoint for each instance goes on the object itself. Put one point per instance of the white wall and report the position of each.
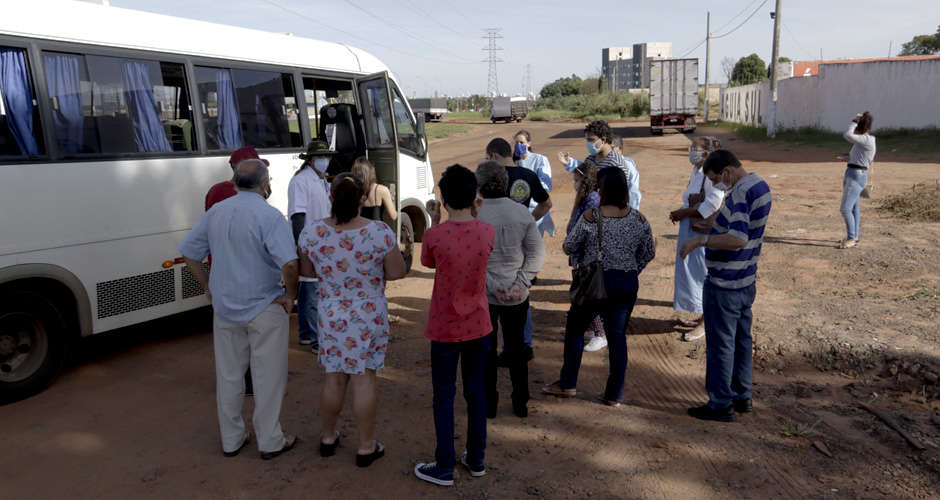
(746, 104)
(900, 94)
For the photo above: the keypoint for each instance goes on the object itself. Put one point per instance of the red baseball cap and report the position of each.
(245, 153)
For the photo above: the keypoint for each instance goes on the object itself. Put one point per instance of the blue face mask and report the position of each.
(592, 148)
(521, 149)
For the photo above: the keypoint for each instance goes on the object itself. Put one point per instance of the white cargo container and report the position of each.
(509, 109)
(673, 94)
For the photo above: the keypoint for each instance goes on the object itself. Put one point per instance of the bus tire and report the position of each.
(33, 344)
(407, 241)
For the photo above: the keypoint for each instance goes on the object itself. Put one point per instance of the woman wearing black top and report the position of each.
(377, 195)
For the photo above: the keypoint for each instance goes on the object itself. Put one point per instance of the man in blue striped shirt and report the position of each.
(731, 252)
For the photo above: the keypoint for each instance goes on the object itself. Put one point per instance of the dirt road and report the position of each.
(137, 418)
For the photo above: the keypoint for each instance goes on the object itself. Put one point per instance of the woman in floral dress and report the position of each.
(353, 257)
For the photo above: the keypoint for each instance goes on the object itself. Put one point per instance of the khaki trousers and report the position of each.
(262, 344)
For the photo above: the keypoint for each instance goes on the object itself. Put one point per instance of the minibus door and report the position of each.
(381, 136)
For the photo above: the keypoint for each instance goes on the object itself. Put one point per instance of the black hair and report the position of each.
(717, 160)
(253, 178)
(500, 147)
(493, 180)
(612, 184)
(458, 187)
(601, 129)
(347, 191)
(864, 123)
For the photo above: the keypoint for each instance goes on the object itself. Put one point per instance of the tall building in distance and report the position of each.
(627, 68)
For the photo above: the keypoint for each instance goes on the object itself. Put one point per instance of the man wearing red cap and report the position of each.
(226, 189)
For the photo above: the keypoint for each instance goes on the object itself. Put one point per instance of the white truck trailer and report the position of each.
(673, 94)
(509, 109)
(433, 108)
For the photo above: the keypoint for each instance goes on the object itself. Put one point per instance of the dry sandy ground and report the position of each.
(136, 419)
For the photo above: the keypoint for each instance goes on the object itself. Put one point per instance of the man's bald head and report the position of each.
(251, 175)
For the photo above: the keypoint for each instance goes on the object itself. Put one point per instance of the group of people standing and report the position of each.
(336, 255)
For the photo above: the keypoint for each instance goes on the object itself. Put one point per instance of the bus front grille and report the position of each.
(191, 287)
(134, 293)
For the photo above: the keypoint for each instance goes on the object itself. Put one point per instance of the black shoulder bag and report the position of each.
(587, 281)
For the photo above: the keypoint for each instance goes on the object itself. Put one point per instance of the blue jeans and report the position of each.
(853, 183)
(307, 298)
(728, 357)
(444, 359)
(622, 289)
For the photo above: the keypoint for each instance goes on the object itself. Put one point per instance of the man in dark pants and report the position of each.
(731, 253)
(518, 255)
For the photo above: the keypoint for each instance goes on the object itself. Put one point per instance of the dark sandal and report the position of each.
(231, 454)
(288, 446)
(366, 460)
(328, 450)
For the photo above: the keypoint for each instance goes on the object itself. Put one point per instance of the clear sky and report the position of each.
(436, 45)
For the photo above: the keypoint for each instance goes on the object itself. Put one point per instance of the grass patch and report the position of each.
(797, 430)
(923, 291)
(921, 203)
(551, 115)
(442, 130)
(467, 116)
(905, 141)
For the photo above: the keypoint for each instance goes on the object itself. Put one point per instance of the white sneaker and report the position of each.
(596, 344)
(694, 334)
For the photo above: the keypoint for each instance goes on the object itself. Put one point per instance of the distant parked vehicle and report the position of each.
(673, 94)
(509, 109)
(433, 108)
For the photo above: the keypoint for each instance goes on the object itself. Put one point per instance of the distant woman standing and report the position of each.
(856, 175)
(377, 195)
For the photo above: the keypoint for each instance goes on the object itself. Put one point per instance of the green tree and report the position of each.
(569, 85)
(922, 45)
(747, 70)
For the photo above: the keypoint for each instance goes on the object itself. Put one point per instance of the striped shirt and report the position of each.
(743, 215)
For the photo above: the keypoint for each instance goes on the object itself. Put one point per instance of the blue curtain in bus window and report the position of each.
(379, 111)
(18, 99)
(230, 132)
(62, 79)
(142, 106)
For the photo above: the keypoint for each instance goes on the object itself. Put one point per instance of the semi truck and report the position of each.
(673, 94)
(433, 108)
(509, 109)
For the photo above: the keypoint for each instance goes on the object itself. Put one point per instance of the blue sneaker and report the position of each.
(433, 473)
(475, 470)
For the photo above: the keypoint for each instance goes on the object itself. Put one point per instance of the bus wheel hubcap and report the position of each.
(23, 345)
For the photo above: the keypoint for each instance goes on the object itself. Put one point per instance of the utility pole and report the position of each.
(890, 47)
(772, 116)
(492, 85)
(708, 54)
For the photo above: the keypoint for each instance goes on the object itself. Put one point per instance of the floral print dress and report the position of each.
(353, 311)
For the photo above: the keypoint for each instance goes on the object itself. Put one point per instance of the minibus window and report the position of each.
(20, 133)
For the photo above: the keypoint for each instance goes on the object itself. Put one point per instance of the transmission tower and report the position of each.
(493, 34)
(527, 81)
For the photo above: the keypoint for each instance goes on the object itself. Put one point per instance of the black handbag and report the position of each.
(587, 280)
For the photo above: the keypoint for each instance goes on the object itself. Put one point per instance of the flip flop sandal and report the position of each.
(288, 446)
(328, 450)
(366, 460)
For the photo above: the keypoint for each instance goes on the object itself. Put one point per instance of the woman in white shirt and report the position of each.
(856, 175)
(700, 201)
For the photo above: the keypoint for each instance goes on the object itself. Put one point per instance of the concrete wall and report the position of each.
(900, 94)
(746, 104)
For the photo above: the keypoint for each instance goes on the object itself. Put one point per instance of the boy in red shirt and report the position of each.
(458, 321)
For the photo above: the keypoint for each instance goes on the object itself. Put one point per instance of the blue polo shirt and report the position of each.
(743, 215)
(250, 242)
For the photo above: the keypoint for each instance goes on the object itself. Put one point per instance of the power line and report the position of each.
(742, 22)
(798, 44)
(427, 13)
(693, 49)
(745, 9)
(353, 35)
(403, 30)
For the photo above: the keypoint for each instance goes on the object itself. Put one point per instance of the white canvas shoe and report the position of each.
(596, 344)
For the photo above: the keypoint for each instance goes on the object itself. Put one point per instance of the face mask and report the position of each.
(521, 149)
(593, 148)
(267, 191)
(320, 164)
(696, 156)
(722, 185)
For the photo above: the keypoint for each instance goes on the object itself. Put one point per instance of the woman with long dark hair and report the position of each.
(586, 198)
(628, 247)
(353, 257)
(856, 175)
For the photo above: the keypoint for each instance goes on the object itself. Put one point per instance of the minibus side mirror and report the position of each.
(420, 122)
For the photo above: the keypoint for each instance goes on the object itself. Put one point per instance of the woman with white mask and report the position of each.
(308, 201)
(700, 202)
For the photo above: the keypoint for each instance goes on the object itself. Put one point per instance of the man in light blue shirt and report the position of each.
(252, 253)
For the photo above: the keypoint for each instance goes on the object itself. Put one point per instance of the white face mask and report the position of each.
(696, 156)
(320, 164)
